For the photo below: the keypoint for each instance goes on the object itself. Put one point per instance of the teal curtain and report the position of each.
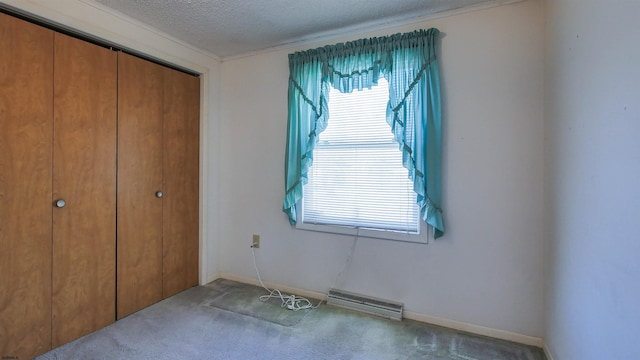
(408, 61)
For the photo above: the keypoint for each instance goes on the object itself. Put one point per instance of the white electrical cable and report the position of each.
(353, 248)
(291, 302)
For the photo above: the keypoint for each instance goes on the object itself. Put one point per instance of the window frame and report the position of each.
(354, 230)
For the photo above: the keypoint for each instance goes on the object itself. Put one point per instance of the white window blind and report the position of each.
(357, 178)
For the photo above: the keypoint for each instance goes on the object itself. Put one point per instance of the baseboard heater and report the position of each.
(370, 305)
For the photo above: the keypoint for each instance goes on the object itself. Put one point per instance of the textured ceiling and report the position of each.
(231, 27)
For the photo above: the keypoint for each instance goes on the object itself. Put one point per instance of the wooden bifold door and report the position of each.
(26, 113)
(158, 126)
(57, 187)
(139, 184)
(84, 177)
(99, 185)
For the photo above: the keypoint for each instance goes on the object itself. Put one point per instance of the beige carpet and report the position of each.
(225, 320)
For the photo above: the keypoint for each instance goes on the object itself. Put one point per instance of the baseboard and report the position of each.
(475, 329)
(213, 277)
(547, 352)
(284, 288)
(452, 324)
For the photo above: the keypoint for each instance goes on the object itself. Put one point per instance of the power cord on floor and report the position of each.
(291, 302)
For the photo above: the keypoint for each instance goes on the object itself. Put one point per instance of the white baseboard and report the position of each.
(452, 324)
(211, 278)
(284, 288)
(547, 352)
(475, 329)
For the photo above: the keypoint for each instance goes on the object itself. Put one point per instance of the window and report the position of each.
(357, 179)
(408, 61)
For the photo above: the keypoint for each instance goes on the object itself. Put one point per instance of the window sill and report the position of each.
(421, 238)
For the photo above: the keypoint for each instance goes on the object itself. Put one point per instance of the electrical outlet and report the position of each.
(256, 241)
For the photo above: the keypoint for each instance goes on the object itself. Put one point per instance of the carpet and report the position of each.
(187, 326)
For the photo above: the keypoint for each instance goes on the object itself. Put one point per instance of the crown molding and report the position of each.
(362, 30)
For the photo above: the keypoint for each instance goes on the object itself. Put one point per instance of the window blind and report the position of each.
(357, 178)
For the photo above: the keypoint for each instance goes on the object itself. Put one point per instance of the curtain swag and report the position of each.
(408, 62)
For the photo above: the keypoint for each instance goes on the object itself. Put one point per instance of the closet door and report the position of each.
(139, 184)
(181, 179)
(26, 115)
(84, 176)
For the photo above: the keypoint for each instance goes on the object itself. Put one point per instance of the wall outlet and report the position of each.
(256, 241)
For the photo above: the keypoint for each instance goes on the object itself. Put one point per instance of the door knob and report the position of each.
(60, 203)
(158, 194)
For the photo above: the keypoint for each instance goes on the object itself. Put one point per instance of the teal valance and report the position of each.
(408, 61)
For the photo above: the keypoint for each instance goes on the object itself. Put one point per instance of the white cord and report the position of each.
(291, 302)
(353, 247)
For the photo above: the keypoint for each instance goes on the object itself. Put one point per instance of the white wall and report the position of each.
(486, 271)
(94, 19)
(488, 268)
(592, 186)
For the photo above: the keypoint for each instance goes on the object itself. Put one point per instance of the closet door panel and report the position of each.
(139, 180)
(26, 118)
(84, 175)
(181, 179)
